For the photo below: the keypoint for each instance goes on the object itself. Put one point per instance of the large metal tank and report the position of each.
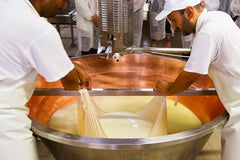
(136, 71)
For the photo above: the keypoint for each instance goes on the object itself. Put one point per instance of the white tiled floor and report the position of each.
(212, 149)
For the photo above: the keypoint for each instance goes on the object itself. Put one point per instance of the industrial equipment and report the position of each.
(116, 23)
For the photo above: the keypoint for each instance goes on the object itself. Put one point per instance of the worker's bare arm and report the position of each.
(182, 82)
(76, 79)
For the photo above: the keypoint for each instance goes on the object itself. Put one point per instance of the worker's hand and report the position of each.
(96, 20)
(162, 87)
(76, 79)
(85, 80)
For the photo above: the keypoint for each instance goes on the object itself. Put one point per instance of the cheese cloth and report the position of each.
(89, 113)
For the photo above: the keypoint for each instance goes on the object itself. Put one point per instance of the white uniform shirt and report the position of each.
(216, 51)
(28, 45)
(217, 43)
(85, 10)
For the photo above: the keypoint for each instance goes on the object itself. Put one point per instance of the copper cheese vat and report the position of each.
(133, 71)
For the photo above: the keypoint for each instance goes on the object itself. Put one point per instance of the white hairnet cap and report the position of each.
(174, 5)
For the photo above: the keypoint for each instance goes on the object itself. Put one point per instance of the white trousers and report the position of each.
(231, 139)
(228, 89)
(16, 139)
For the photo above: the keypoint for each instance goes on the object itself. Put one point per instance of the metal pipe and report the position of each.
(172, 52)
(159, 50)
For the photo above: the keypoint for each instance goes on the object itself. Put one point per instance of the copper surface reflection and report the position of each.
(132, 71)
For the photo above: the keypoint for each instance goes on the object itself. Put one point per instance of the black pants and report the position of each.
(91, 51)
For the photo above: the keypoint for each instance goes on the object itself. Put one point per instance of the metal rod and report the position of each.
(120, 92)
(159, 50)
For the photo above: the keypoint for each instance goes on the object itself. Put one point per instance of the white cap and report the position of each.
(174, 5)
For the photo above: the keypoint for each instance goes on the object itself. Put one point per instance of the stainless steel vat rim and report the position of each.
(121, 92)
(131, 143)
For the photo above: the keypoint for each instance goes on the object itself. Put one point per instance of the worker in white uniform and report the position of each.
(157, 28)
(138, 11)
(87, 23)
(225, 6)
(29, 45)
(235, 9)
(216, 52)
